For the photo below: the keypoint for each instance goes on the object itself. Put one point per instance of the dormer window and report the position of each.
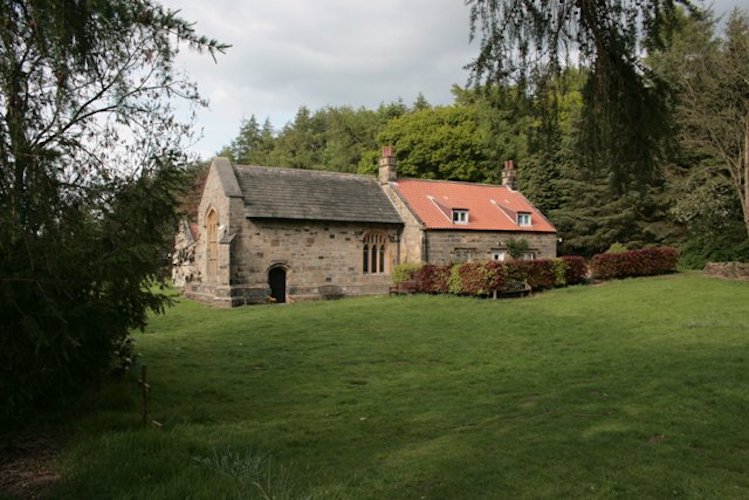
(524, 219)
(460, 216)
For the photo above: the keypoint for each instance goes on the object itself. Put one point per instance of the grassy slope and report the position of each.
(636, 388)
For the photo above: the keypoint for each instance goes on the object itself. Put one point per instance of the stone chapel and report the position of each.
(270, 234)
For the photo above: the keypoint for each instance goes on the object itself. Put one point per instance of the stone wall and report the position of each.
(445, 247)
(733, 270)
(321, 259)
(412, 236)
(221, 193)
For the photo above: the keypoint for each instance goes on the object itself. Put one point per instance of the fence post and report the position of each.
(144, 393)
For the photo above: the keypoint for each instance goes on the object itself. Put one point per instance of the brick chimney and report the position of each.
(508, 174)
(388, 166)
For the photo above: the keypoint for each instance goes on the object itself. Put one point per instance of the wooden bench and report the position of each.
(513, 288)
(403, 288)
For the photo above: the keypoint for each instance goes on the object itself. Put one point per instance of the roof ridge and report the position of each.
(331, 173)
(445, 181)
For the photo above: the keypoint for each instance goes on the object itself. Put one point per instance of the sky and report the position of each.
(291, 53)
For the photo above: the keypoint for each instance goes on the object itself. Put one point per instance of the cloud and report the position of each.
(289, 53)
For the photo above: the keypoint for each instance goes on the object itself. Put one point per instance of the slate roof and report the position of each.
(289, 193)
(490, 207)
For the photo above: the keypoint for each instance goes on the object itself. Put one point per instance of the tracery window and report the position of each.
(211, 223)
(373, 257)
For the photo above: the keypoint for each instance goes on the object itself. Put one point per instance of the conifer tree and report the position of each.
(89, 169)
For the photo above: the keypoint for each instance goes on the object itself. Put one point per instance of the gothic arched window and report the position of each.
(373, 257)
(211, 226)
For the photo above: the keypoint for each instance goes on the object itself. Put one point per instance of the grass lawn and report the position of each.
(637, 388)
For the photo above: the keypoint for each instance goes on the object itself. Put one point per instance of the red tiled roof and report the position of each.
(490, 207)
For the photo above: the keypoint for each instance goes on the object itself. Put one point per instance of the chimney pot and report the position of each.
(388, 171)
(508, 174)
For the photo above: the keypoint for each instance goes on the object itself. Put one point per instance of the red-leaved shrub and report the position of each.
(575, 271)
(431, 278)
(645, 262)
(482, 278)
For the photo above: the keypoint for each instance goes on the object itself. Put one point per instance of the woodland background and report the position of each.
(692, 198)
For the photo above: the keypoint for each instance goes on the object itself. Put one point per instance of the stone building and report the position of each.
(268, 234)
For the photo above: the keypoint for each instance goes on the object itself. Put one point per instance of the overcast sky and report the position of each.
(290, 53)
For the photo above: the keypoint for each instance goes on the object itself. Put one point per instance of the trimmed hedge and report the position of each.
(645, 262)
(576, 270)
(482, 278)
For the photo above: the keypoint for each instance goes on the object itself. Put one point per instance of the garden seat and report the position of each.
(514, 288)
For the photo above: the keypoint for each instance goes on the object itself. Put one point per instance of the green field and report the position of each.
(636, 388)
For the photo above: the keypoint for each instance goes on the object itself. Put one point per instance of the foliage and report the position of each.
(454, 284)
(616, 247)
(625, 119)
(575, 270)
(446, 142)
(591, 219)
(339, 138)
(254, 471)
(689, 200)
(559, 268)
(481, 278)
(713, 101)
(540, 274)
(405, 272)
(651, 368)
(431, 278)
(442, 275)
(89, 175)
(710, 165)
(645, 262)
(476, 278)
(517, 247)
(253, 145)
(703, 248)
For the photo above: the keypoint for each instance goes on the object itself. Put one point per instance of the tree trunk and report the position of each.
(745, 200)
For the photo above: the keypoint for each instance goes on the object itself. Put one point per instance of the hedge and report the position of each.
(576, 271)
(645, 262)
(481, 278)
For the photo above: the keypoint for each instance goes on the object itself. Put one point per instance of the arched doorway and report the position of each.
(277, 283)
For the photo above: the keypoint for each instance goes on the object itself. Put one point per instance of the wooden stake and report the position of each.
(144, 393)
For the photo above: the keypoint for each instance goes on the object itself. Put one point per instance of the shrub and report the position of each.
(431, 278)
(617, 247)
(481, 278)
(645, 262)
(441, 281)
(516, 248)
(424, 278)
(560, 272)
(454, 285)
(405, 272)
(476, 278)
(575, 270)
(496, 273)
(538, 273)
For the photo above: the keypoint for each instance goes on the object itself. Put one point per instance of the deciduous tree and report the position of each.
(89, 167)
(713, 105)
(625, 119)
